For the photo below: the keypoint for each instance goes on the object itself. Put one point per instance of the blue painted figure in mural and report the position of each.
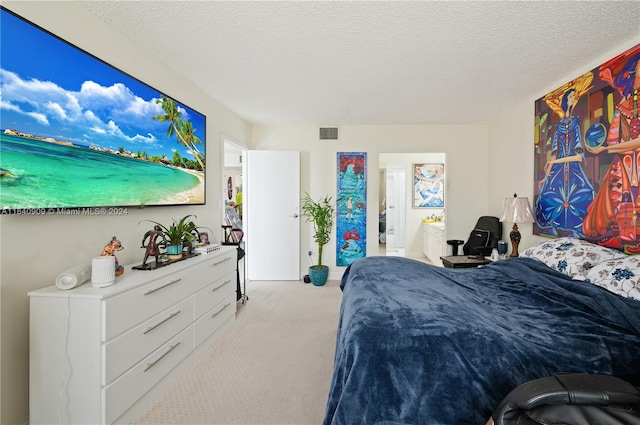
(350, 180)
(566, 192)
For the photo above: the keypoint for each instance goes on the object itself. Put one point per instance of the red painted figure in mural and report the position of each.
(614, 215)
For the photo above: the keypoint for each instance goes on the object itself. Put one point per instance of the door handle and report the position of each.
(294, 216)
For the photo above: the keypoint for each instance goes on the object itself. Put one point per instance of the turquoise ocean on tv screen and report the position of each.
(50, 175)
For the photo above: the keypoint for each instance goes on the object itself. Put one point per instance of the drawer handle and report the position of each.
(221, 285)
(151, 291)
(150, 365)
(221, 310)
(220, 262)
(150, 328)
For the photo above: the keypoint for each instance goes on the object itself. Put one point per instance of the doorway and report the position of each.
(233, 194)
(273, 215)
(406, 232)
(264, 188)
(396, 183)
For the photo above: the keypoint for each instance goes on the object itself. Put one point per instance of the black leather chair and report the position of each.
(483, 238)
(570, 399)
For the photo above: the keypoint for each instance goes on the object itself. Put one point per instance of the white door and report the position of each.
(272, 220)
(396, 199)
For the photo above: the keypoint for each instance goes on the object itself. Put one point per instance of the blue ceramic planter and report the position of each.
(318, 276)
(174, 249)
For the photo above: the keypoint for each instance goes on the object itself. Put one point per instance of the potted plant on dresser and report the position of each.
(180, 233)
(321, 214)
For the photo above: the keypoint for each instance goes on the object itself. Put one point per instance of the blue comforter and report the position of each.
(419, 344)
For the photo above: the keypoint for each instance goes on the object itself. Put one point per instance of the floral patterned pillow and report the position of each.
(620, 276)
(573, 257)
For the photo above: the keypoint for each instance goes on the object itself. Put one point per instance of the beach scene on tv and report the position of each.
(77, 132)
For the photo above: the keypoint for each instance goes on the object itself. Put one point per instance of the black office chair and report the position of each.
(483, 238)
(570, 398)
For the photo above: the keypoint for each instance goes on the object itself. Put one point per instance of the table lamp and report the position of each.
(516, 210)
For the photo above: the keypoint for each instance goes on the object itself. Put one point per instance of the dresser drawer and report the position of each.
(126, 390)
(219, 266)
(214, 294)
(129, 348)
(127, 310)
(214, 318)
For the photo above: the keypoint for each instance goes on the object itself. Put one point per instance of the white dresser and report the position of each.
(100, 355)
(434, 244)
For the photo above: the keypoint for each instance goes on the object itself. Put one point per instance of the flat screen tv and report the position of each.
(76, 133)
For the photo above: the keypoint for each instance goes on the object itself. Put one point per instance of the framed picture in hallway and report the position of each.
(428, 185)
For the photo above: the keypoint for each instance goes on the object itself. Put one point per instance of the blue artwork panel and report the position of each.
(351, 208)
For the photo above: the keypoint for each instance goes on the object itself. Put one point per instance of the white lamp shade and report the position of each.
(517, 210)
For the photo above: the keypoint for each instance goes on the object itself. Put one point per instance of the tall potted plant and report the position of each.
(321, 214)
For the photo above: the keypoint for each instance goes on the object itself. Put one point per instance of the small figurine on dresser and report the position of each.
(110, 249)
(152, 248)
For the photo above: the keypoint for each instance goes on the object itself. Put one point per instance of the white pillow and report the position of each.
(620, 276)
(571, 256)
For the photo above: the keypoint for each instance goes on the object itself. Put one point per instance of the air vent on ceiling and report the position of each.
(329, 133)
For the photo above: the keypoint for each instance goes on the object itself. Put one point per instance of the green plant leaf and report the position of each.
(180, 231)
(321, 214)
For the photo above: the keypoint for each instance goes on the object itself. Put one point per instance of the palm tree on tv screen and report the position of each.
(182, 129)
(187, 133)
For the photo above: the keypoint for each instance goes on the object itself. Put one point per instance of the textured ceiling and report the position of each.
(391, 62)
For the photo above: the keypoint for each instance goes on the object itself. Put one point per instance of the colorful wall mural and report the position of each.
(351, 208)
(587, 156)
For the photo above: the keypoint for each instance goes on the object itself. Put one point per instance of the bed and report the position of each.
(419, 344)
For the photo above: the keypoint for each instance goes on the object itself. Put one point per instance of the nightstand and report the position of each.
(463, 261)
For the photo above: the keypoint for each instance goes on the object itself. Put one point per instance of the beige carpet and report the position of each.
(273, 366)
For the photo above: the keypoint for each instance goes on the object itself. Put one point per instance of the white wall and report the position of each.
(465, 146)
(36, 249)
